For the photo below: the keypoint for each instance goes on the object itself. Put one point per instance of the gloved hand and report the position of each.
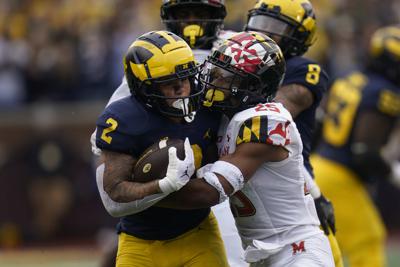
(325, 214)
(179, 171)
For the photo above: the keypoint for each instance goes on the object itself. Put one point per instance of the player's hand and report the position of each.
(179, 171)
(325, 214)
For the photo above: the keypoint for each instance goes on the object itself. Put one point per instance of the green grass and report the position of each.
(90, 257)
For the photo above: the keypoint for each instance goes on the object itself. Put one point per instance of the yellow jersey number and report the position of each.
(343, 101)
(113, 125)
(312, 75)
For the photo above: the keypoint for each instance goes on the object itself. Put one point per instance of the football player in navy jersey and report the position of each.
(292, 24)
(199, 23)
(362, 108)
(160, 70)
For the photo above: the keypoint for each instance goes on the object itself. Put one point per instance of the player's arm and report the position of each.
(225, 177)
(295, 98)
(117, 178)
(370, 134)
(378, 112)
(118, 209)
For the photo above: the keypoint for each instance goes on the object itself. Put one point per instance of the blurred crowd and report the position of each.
(71, 51)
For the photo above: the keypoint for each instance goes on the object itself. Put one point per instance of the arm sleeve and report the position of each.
(311, 185)
(382, 100)
(117, 209)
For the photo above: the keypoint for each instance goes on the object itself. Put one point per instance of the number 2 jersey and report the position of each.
(348, 96)
(272, 206)
(126, 126)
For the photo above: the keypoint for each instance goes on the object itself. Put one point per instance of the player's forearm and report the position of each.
(195, 194)
(117, 179)
(127, 191)
(118, 209)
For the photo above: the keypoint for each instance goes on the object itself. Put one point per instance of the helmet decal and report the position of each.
(246, 69)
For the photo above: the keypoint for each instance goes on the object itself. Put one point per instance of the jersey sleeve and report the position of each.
(308, 74)
(264, 129)
(110, 134)
(383, 100)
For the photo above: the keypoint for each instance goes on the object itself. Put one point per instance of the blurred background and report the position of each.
(60, 61)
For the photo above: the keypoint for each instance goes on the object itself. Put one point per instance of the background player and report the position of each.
(260, 165)
(362, 108)
(160, 71)
(292, 24)
(196, 21)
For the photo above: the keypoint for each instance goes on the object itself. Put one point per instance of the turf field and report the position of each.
(90, 257)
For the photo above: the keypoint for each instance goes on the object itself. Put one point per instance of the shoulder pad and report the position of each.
(303, 71)
(269, 123)
(382, 95)
(119, 122)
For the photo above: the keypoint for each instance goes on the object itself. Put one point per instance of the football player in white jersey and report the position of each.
(260, 166)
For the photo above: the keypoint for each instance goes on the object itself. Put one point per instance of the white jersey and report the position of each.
(272, 206)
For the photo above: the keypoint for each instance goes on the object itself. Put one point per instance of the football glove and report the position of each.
(325, 214)
(179, 171)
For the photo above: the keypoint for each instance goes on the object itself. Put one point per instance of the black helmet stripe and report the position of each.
(156, 39)
(139, 55)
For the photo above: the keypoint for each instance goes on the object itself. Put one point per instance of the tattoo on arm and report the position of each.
(294, 98)
(117, 179)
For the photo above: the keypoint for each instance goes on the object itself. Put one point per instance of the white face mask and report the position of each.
(183, 104)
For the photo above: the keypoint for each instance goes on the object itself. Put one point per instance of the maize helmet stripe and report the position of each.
(387, 38)
(271, 16)
(158, 58)
(156, 54)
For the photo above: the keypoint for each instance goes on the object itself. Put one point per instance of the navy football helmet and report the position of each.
(196, 21)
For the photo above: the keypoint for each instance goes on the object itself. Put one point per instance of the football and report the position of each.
(153, 162)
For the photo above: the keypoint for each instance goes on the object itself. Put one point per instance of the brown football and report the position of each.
(153, 162)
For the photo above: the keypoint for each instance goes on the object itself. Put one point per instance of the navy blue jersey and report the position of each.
(302, 71)
(126, 126)
(348, 97)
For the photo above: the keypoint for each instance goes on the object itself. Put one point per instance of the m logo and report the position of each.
(298, 247)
